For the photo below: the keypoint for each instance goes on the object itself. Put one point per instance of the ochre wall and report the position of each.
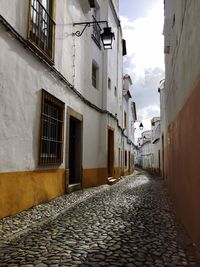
(94, 177)
(117, 172)
(182, 170)
(22, 190)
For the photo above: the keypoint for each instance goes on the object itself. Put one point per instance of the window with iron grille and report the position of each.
(42, 26)
(51, 136)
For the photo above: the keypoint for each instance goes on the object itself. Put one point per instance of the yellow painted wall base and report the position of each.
(117, 172)
(22, 190)
(94, 177)
(127, 172)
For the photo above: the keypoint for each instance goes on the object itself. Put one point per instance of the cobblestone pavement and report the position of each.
(127, 224)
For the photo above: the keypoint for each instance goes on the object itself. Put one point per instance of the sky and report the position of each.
(142, 28)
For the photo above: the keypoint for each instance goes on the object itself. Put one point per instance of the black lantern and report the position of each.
(107, 37)
(141, 126)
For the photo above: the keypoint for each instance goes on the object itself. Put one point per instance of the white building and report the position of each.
(148, 150)
(129, 117)
(61, 100)
(155, 141)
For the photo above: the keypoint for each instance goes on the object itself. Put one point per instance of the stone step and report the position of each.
(112, 180)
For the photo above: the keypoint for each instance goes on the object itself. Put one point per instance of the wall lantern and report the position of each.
(141, 126)
(106, 36)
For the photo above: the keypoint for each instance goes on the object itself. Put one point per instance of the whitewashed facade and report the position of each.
(156, 145)
(61, 100)
(148, 149)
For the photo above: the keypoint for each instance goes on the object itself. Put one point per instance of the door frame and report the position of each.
(110, 151)
(72, 113)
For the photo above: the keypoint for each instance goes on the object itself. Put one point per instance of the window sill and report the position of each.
(41, 52)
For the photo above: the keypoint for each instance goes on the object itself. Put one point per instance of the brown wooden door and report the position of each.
(75, 150)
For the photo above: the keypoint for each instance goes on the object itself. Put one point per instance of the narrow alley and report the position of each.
(127, 224)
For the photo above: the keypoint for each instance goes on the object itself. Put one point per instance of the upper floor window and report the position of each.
(42, 27)
(95, 71)
(51, 136)
(115, 91)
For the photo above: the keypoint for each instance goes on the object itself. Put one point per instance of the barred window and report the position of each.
(51, 137)
(42, 26)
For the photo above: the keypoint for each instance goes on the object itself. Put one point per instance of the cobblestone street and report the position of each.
(127, 224)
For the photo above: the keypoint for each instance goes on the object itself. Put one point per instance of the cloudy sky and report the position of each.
(142, 25)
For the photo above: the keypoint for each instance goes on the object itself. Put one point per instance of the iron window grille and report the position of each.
(42, 26)
(51, 137)
(96, 33)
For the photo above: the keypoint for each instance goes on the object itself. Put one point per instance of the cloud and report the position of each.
(144, 41)
(145, 60)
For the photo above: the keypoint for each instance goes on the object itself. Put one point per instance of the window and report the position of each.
(109, 83)
(94, 75)
(42, 26)
(124, 119)
(51, 136)
(115, 91)
(125, 160)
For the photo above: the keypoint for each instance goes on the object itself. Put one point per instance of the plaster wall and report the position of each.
(180, 104)
(20, 105)
(155, 158)
(16, 12)
(181, 28)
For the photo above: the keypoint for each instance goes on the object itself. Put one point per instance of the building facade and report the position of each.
(148, 149)
(155, 141)
(61, 100)
(129, 117)
(180, 111)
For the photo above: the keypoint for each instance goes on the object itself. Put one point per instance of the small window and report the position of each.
(51, 136)
(95, 75)
(109, 83)
(125, 119)
(174, 21)
(42, 26)
(115, 91)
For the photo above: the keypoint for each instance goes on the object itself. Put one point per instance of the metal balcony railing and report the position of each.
(96, 33)
(42, 27)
